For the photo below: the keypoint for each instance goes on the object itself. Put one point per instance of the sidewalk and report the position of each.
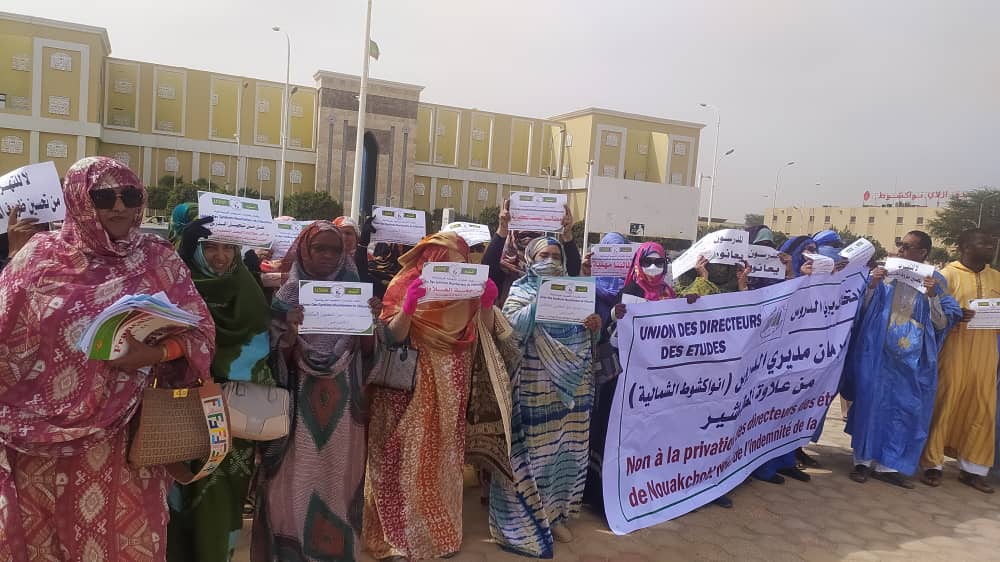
(830, 518)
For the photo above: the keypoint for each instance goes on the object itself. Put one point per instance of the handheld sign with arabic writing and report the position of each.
(398, 226)
(729, 246)
(238, 220)
(765, 263)
(542, 212)
(861, 250)
(36, 190)
(909, 272)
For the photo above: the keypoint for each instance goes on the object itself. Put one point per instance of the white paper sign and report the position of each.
(909, 272)
(237, 220)
(861, 250)
(285, 234)
(712, 390)
(473, 234)
(632, 299)
(398, 226)
(765, 263)
(987, 314)
(729, 246)
(538, 212)
(450, 281)
(36, 190)
(333, 307)
(612, 260)
(565, 300)
(821, 265)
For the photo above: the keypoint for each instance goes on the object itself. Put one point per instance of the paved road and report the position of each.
(830, 518)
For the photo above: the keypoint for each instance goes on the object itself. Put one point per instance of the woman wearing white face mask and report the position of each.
(552, 398)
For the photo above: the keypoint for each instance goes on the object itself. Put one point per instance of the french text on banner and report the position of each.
(712, 390)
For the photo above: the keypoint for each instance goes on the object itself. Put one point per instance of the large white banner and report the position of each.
(712, 390)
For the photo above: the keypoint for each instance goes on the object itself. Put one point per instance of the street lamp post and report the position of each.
(726, 153)
(715, 157)
(284, 121)
(777, 181)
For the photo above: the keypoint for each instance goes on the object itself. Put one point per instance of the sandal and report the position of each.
(975, 481)
(932, 477)
(860, 473)
(796, 474)
(894, 478)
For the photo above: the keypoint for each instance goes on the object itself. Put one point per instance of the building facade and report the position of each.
(886, 224)
(63, 96)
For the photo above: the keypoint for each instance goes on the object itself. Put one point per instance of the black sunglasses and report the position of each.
(646, 262)
(904, 246)
(105, 199)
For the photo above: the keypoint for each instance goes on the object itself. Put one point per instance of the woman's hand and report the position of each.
(743, 276)
(137, 356)
(504, 219)
(585, 267)
(967, 314)
(786, 260)
(592, 323)
(619, 311)
(692, 297)
(807, 267)
(702, 267)
(19, 231)
(293, 318)
(375, 304)
(567, 226)
(414, 293)
(490, 294)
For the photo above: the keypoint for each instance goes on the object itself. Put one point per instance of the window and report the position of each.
(898, 240)
(854, 220)
(871, 220)
(774, 219)
(826, 219)
(788, 218)
(920, 220)
(812, 219)
(899, 220)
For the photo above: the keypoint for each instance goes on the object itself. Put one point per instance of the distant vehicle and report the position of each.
(155, 220)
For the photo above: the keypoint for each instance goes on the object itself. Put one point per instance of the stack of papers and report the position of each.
(450, 281)
(148, 318)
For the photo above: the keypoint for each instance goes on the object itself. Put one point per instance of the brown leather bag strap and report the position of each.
(220, 439)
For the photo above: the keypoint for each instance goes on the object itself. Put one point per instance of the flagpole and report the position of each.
(360, 141)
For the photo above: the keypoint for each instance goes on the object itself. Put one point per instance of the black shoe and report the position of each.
(804, 460)
(723, 501)
(796, 474)
(894, 478)
(776, 479)
(860, 473)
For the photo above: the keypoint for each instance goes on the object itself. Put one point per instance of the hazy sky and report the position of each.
(879, 95)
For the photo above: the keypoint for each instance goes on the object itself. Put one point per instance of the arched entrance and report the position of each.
(369, 172)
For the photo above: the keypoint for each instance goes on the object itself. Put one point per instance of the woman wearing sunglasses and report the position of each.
(64, 414)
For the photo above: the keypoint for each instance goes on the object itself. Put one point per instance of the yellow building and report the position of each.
(886, 224)
(63, 97)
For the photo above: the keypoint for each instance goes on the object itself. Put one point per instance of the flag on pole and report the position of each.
(373, 49)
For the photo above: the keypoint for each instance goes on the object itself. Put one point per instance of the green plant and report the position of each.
(490, 216)
(315, 205)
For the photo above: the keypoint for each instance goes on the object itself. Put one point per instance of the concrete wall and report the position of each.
(667, 211)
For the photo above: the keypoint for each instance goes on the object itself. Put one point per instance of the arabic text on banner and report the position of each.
(398, 226)
(713, 389)
(36, 190)
(540, 212)
(237, 220)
